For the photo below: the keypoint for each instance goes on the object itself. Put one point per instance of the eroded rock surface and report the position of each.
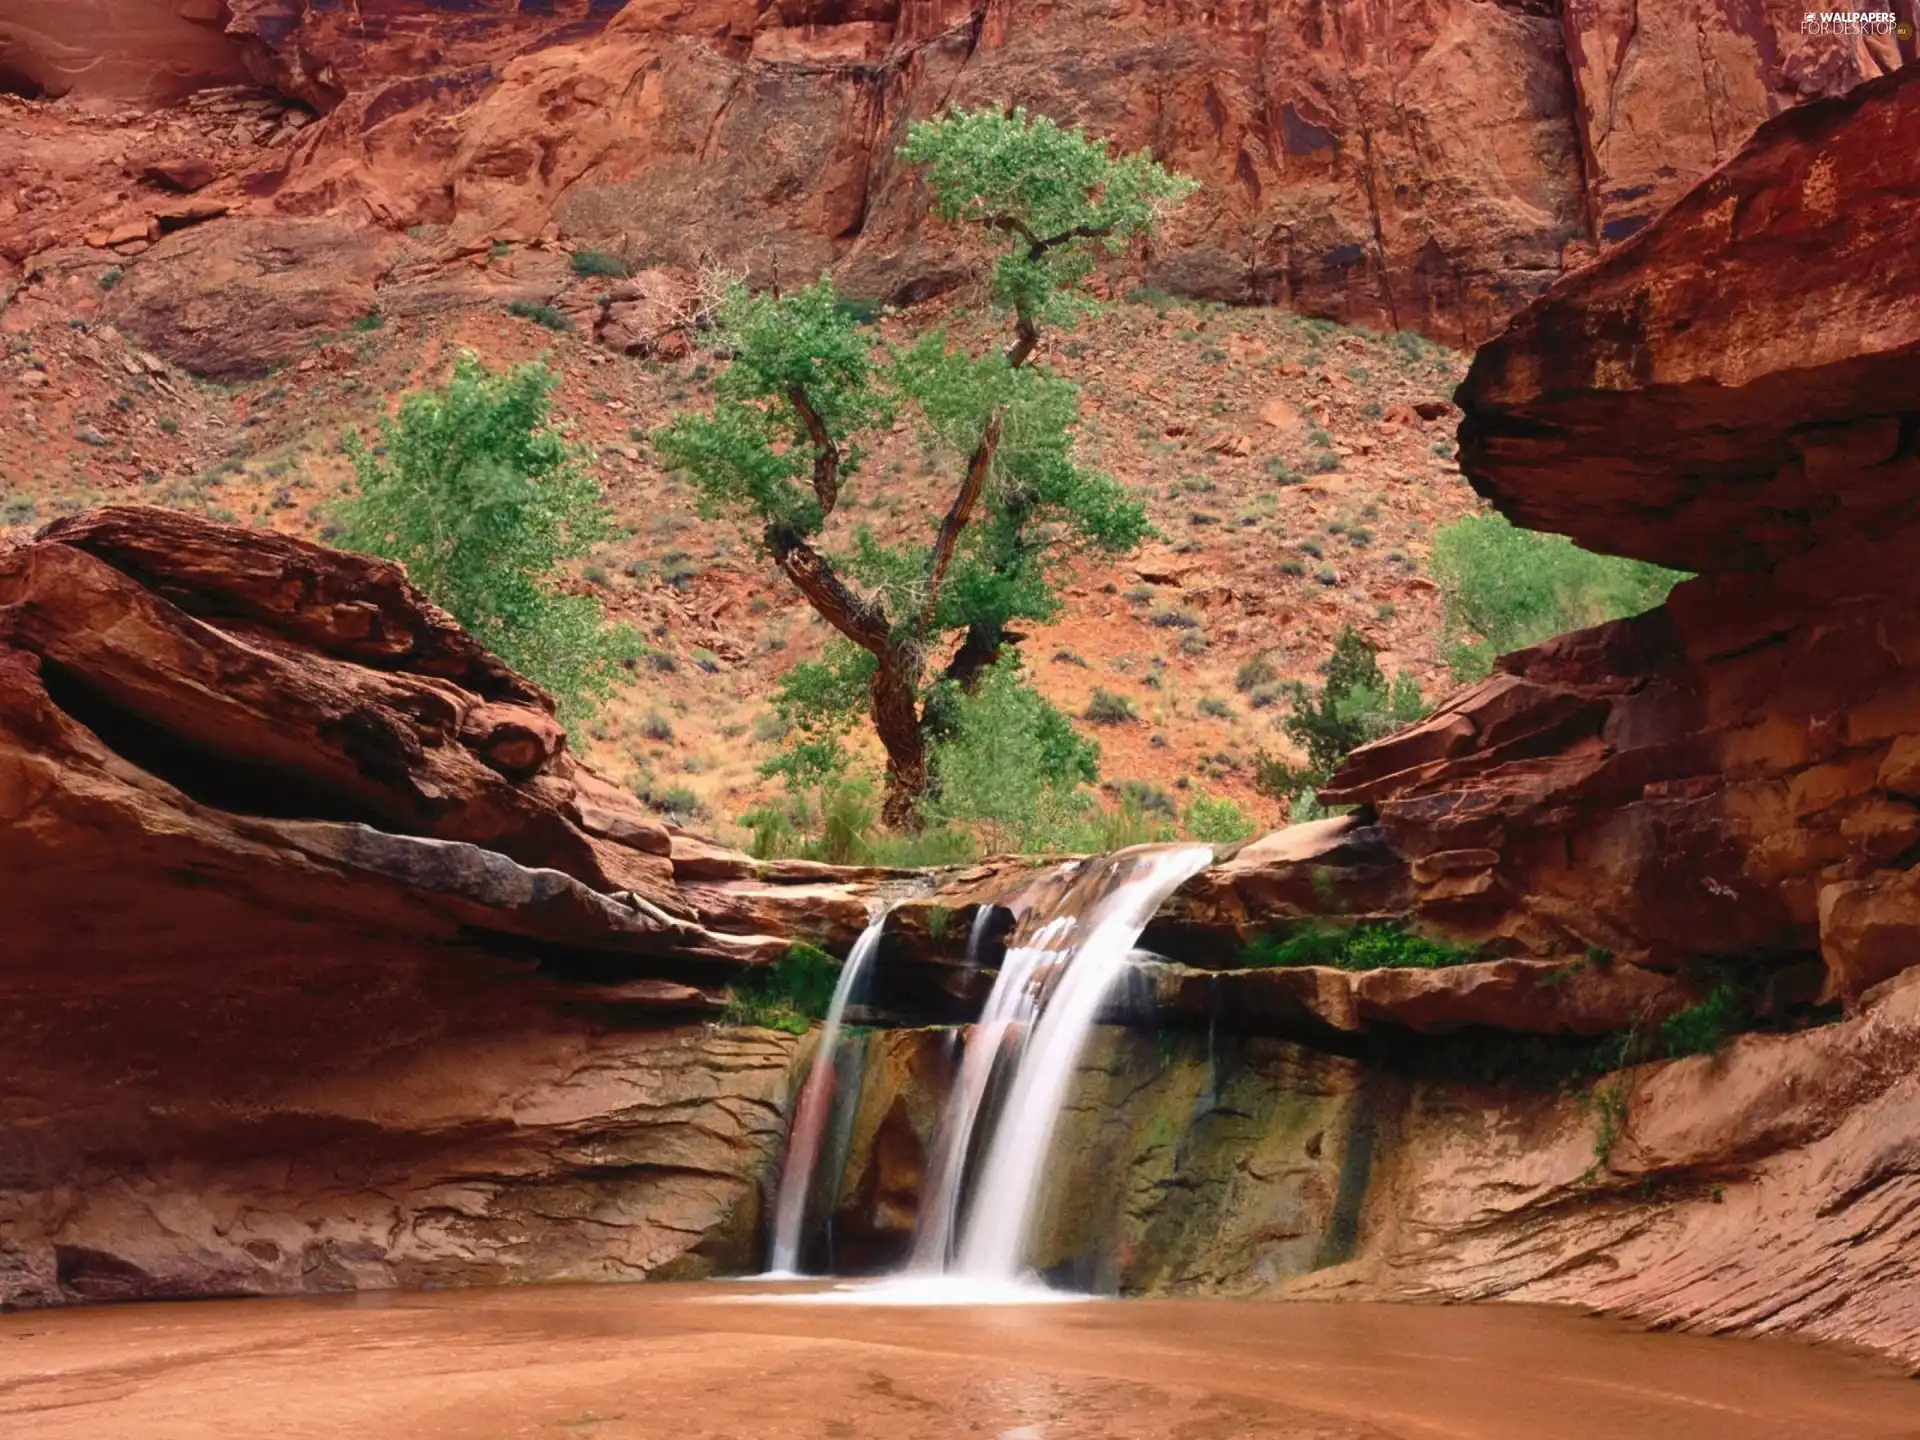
(325, 964)
(1428, 168)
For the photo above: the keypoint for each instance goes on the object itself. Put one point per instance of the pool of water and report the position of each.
(702, 1362)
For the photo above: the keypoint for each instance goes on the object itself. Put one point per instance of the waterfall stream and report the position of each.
(1076, 926)
(812, 1115)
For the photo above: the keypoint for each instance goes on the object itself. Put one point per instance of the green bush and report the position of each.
(597, 262)
(1505, 588)
(1215, 822)
(1355, 705)
(540, 315)
(1356, 947)
(485, 502)
(1106, 708)
(789, 994)
(1010, 765)
(1216, 708)
(1703, 1028)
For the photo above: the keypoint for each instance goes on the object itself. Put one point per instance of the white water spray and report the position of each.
(1114, 903)
(811, 1115)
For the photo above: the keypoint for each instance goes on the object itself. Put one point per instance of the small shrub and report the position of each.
(1218, 709)
(18, 510)
(1193, 642)
(597, 262)
(679, 803)
(1312, 547)
(540, 315)
(1703, 1028)
(1294, 568)
(1174, 618)
(788, 995)
(1148, 799)
(1216, 822)
(657, 727)
(1322, 462)
(1104, 707)
(369, 322)
(111, 277)
(1262, 697)
(1254, 673)
(1140, 594)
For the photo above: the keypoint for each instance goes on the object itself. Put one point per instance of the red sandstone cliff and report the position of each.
(1427, 167)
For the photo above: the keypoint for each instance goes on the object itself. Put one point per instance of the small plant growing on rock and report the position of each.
(1357, 947)
(788, 995)
(588, 263)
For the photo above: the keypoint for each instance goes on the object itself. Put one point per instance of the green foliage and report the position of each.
(540, 315)
(1042, 187)
(111, 277)
(1357, 947)
(1011, 766)
(1703, 1028)
(485, 502)
(597, 262)
(369, 322)
(807, 390)
(1354, 705)
(1506, 588)
(1215, 822)
(789, 994)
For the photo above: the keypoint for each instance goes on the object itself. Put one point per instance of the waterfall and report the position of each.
(815, 1110)
(1061, 962)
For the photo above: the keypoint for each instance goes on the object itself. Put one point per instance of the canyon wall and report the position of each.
(1423, 166)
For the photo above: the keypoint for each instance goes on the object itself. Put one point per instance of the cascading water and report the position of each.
(1062, 961)
(811, 1116)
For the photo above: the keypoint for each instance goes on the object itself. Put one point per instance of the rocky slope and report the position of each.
(1426, 168)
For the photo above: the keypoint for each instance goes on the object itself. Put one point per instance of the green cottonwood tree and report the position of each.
(783, 441)
(484, 501)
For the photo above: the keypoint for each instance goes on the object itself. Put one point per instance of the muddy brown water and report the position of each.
(701, 1362)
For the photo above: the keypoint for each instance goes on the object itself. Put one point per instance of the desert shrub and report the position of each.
(485, 502)
(1506, 588)
(1354, 704)
(1174, 617)
(597, 262)
(1212, 706)
(540, 315)
(1104, 707)
(1254, 673)
(657, 727)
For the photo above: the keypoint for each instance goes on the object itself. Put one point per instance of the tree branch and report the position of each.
(813, 575)
(1026, 335)
(958, 514)
(826, 450)
(977, 652)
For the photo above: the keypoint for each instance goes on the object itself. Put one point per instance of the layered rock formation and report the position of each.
(1427, 168)
(325, 965)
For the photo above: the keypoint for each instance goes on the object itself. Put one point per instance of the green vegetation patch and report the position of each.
(790, 994)
(1379, 946)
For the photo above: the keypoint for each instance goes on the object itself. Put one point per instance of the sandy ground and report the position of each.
(717, 1360)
